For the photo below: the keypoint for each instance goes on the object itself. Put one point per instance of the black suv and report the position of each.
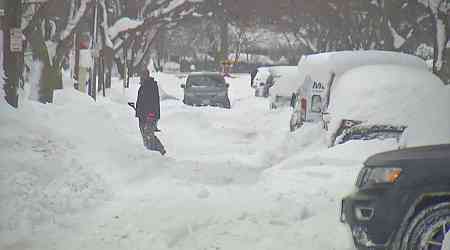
(402, 200)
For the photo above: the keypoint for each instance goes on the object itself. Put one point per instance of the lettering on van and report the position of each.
(318, 85)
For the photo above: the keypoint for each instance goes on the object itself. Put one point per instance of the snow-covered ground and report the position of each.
(75, 175)
(446, 245)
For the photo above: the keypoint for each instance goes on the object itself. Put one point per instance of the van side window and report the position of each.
(316, 104)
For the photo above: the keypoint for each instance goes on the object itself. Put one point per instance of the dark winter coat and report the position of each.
(253, 75)
(148, 99)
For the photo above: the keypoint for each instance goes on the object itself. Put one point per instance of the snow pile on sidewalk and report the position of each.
(41, 175)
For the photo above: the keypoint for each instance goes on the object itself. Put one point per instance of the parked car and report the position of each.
(262, 82)
(385, 99)
(319, 72)
(402, 200)
(206, 88)
(285, 81)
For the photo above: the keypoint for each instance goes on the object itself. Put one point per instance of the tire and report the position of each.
(187, 102)
(427, 226)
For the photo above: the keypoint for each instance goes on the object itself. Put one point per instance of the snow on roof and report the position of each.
(319, 67)
(393, 94)
(262, 75)
(123, 24)
(341, 61)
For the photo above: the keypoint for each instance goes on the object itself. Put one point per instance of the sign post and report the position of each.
(16, 40)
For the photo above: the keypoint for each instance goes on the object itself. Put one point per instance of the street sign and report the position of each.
(16, 40)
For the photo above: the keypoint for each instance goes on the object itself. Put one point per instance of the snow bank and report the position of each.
(432, 123)
(76, 176)
(394, 95)
(42, 175)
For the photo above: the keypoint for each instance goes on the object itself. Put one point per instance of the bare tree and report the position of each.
(49, 33)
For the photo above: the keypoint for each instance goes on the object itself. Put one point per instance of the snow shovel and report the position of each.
(133, 105)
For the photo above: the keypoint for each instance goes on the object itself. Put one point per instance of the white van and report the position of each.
(285, 81)
(318, 72)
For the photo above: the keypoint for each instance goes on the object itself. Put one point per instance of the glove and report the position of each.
(151, 116)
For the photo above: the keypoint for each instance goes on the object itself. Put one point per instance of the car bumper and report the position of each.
(261, 92)
(206, 100)
(373, 217)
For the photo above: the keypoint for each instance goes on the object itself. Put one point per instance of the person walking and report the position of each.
(148, 112)
(252, 76)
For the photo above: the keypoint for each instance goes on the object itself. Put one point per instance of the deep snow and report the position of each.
(74, 175)
(446, 245)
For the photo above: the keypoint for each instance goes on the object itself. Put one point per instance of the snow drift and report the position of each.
(76, 176)
(397, 95)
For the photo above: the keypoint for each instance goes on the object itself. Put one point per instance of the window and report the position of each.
(206, 80)
(316, 104)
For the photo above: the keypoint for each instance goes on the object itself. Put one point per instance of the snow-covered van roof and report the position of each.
(341, 61)
(396, 95)
(320, 66)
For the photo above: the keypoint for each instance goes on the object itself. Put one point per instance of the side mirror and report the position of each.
(183, 86)
(227, 85)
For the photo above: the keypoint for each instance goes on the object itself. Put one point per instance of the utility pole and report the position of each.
(76, 73)
(12, 48)
(93, 86)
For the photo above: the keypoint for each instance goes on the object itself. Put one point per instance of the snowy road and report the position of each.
(232, 179)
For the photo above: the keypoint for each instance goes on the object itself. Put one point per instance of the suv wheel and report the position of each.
(427, 229)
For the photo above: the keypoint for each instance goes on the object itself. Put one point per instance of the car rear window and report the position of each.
(206, 80)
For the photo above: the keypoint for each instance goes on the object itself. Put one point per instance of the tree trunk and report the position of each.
(224, 39)
(12, 62)
(51, 76)
(76, 72)
(120, 67)
(440, 25)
